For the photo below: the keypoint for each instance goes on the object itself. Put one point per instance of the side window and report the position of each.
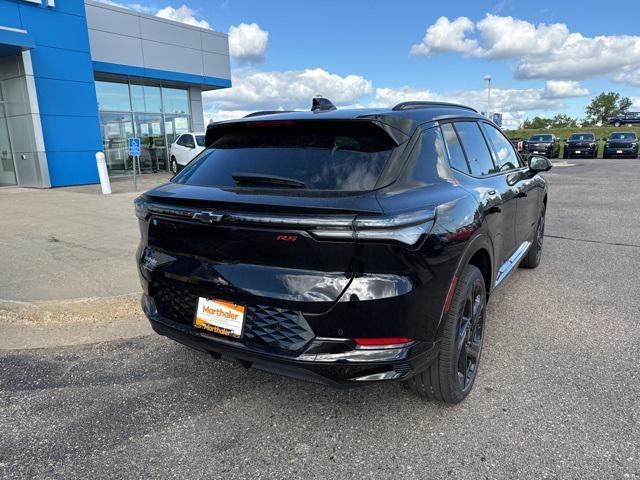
(505, 156)
(188, 141)
(457, 159)
(427, 158)
(475, 147)
(181, 140)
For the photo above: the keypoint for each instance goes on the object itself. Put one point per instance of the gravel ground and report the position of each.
(556, 397)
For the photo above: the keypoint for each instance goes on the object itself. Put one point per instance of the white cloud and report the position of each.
(635, 103)
(502, 100)
(253, 90)
(248, 42)
(565, 89)
(447, 36)
(182, 14)
(543, 51)
(507, 37)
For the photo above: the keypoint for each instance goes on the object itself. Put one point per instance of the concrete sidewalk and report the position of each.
(70, 243)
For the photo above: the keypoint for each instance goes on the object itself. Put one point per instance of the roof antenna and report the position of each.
(321, 104)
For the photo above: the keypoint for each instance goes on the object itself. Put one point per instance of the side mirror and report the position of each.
(538, 164)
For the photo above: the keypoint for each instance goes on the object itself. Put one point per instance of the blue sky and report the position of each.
(375, 53)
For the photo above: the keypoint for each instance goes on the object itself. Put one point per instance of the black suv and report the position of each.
(581, 145)
(627, 118)
(621, 144)
(343, 246)
(545, 144)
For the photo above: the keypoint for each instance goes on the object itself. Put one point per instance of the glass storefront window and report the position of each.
(175, 100)
(128, 110)
(113, 96)
(146, 99)
(153, 151)
(116, 128)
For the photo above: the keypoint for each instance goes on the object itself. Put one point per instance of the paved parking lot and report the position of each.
(556, 397)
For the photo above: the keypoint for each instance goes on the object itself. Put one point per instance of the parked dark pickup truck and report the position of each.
(621, 144)
(628, 118)
(545, 144)
(581, 145)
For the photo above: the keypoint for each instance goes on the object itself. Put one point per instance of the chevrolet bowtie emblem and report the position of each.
(206, 216)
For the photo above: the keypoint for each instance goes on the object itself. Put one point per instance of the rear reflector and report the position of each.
(381, 341)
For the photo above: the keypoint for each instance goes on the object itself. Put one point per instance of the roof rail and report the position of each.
(416, 104)
(266, 112)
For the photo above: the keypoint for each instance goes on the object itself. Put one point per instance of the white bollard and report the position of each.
(103, 173)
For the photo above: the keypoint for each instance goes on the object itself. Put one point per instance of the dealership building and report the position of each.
(78, 77)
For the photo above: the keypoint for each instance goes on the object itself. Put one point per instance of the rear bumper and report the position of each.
(328, 361)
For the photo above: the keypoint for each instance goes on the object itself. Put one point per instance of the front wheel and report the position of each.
(451, 376)
(174, 165)
(617, 124)
(532, 259)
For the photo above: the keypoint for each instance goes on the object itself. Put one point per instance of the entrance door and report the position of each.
(153, 150)
(7, 167)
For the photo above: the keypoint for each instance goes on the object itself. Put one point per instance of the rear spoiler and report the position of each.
(216, 130)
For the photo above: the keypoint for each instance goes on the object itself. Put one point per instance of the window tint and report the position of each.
(200, 140)
(476, 148)
(346, 156)
(505, 156)
(181, 141)
(428, 159)
(457, 159)
(188, 141)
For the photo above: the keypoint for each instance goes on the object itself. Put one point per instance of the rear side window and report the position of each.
(505, 156)
(476, 148)
(200, 140)
(457, 159)
(345, 156)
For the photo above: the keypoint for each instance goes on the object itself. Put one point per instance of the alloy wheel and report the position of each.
(470, 336)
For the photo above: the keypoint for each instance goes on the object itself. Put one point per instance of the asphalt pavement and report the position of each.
(556, 396)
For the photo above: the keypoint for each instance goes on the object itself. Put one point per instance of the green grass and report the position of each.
(563, 133)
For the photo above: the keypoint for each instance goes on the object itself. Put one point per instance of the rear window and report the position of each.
(346, 156)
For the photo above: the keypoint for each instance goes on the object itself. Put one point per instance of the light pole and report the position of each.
(488, 79)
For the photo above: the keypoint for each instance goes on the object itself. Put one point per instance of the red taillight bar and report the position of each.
(383, 342)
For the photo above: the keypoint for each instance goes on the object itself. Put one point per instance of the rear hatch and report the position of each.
(265, 215)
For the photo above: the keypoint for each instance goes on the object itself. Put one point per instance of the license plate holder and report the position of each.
(578, 152)
(220, 317)
(618, 151)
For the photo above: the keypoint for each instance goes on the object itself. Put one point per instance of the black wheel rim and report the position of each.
(540, 236)
(470, 336)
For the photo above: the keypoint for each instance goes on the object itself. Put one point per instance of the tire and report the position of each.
(174, 165)
(534, 255)
(617, 124)
(461, 344)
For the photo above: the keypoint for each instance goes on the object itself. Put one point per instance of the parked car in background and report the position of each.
(581, 145)
(621, 144)
(627, 118)
(545, 144)
(185, 149)
(343, 247)
(520, 144)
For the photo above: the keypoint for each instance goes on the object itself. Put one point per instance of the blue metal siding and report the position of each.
(66, 92)
(177, 77)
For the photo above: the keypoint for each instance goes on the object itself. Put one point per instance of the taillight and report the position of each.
(406, 228)
(382, 342)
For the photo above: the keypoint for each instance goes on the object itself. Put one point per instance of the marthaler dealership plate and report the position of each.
(218, 316)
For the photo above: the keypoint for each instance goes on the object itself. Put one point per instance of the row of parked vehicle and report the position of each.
(617, 144)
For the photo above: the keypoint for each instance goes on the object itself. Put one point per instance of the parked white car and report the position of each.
(184, 149)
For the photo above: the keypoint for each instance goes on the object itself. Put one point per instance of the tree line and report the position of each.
(597, 112)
